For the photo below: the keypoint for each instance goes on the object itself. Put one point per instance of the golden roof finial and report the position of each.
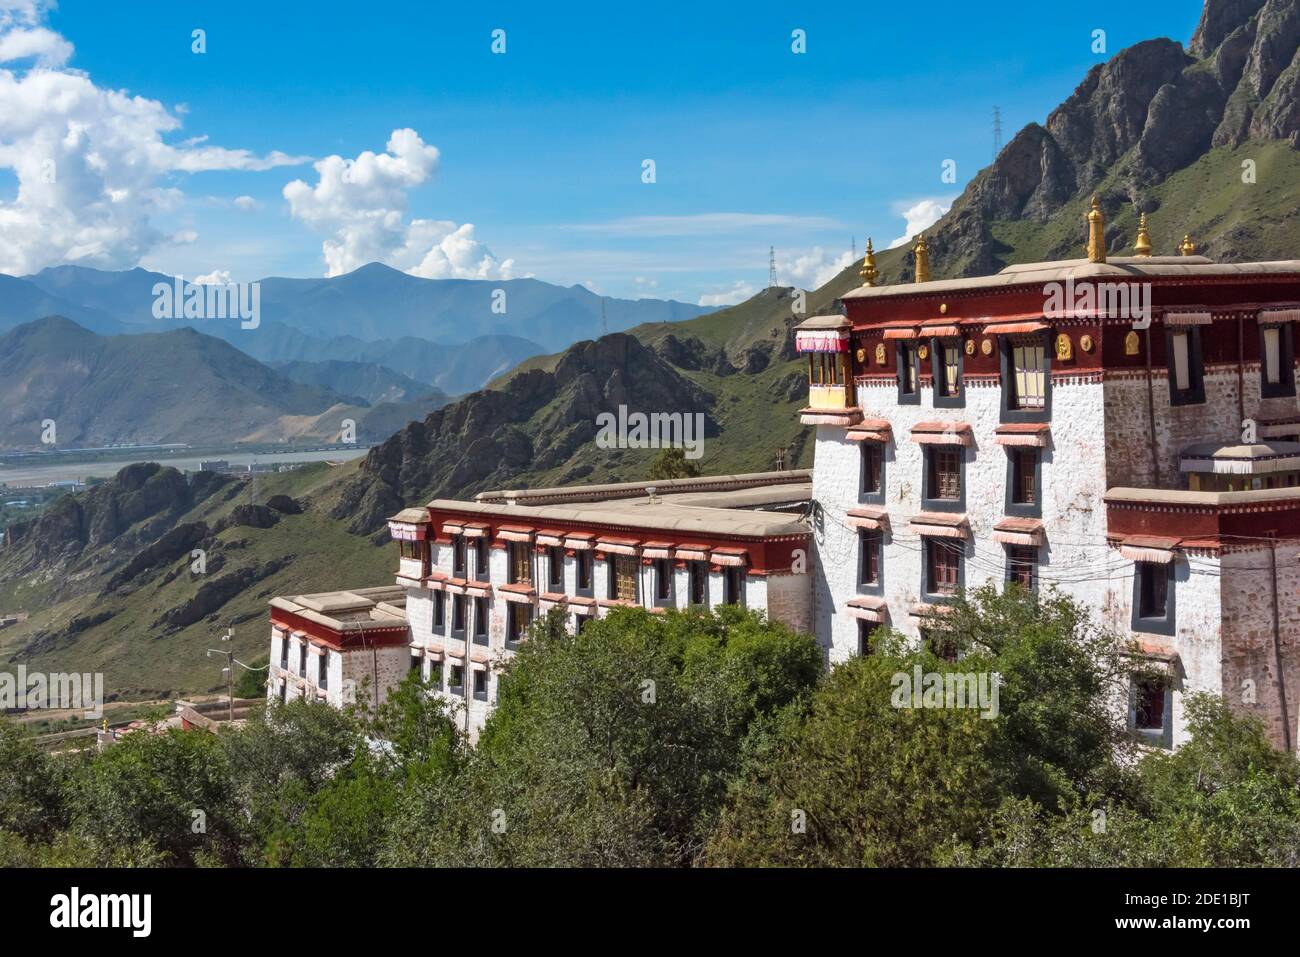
(869, 271)
(922, 254)
(1187, 247)
(1096, 233)
(1143, 245)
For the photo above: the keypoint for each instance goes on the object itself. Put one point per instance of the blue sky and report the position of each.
(539, 149)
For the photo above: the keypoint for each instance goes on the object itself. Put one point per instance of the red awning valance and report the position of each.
(821, 340)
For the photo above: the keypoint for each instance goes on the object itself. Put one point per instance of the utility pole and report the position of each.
(229, 670)
(771, 266)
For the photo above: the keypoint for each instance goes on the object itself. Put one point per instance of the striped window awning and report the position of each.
(515, 533)
(867, 608)
(550, 537)
(520, 592)
(872, 519)
(618, 546)
(1188, 318)
(579, 541)
(1019, 531)
(691, 552)
(1286, 314)
(821, 340)
(1149, 548)
(733, 557)
(657, 550)
(476, 529)
(943, 433)
(1035, 434)
(948, 331)
(1015, 328)
(452, 528)
(909, 332)
(941, 524)
(1277, 428)
(870, 430)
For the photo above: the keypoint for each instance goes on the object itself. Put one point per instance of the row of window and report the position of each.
(322, 662)
(943, 478)
(1026, 375)
(455, 684)
(944, 566)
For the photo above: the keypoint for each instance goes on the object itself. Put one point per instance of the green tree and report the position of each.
(610, 748)
(252, 684)
(32, 785)
(855, 779)
(671, 463)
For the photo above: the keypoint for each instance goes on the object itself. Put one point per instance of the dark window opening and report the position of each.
(1024, 467)
(869, 542)
(480, 619)
(699, 573)
(663, 578)
(458, 613)
(945, 473)
(456, 681)
(941, 645)
(481, 558)
(1149, 705)
(585, 562)
(458, 556)
(866, 631)
(556, 565)
(323, 672)
(943, 566)
(733, 585)
(1022, 565)
(873, 461)
(480, 685)
(518, 620)
(1153, 589)
(439, 609)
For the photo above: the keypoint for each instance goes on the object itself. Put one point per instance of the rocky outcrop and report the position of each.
(249, 516)
(173, 545)
(212, 595)
(539, 420)
(1148, 112)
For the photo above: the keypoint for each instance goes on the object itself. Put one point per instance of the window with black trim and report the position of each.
(943, 561)
(1022, 566)
(458, 563)
(1024, 481)
(622, 578)
(873, 468)
(480, 684)
(481, 558)
(456, 679)
(1150, 707)
(663, 579)
(1277, 360)
(944, 467)
(480, 620)
(518, 619)
(1186, 383)
(733, 585)
(947, 371)
(458, 613)
(1027, 390)
(439, 609)
(909, 374)
(1153, 597)
(323, 671)
(555, 562)
(869, 541)
(521, 563)
(585, 562)
(940, 644)
(866, 634)
(699, 576)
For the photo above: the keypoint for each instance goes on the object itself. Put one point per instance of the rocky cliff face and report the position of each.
(538, 422)
(1149, 111)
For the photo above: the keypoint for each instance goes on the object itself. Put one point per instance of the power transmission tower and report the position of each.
(997, 132)
(771, 266)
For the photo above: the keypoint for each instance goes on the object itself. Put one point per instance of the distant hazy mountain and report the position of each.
(178, 386)
(377, 314)
(367, 381)
(22, 301)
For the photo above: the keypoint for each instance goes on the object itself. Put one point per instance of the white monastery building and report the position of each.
(1125, 430)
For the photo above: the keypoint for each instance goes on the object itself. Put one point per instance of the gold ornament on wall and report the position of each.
(1131, 344)
(1085, 343)
(970, 347)
(923, 352)
(862, 355)
(986, 347)
(1064, 348)
(880, 354)
(943, 308)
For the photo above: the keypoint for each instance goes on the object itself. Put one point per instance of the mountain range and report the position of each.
(108, 589)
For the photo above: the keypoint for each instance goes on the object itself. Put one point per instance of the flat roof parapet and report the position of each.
(595, 493)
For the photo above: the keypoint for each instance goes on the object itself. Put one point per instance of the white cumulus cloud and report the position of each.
(739, 292)
(94, 166)
(921, 216)
(361, 204)
(811, 269)
(218, 277)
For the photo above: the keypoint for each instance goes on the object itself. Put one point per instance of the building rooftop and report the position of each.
(1238, 459)
(742, 506)
(355, 610)
(1116, 268)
